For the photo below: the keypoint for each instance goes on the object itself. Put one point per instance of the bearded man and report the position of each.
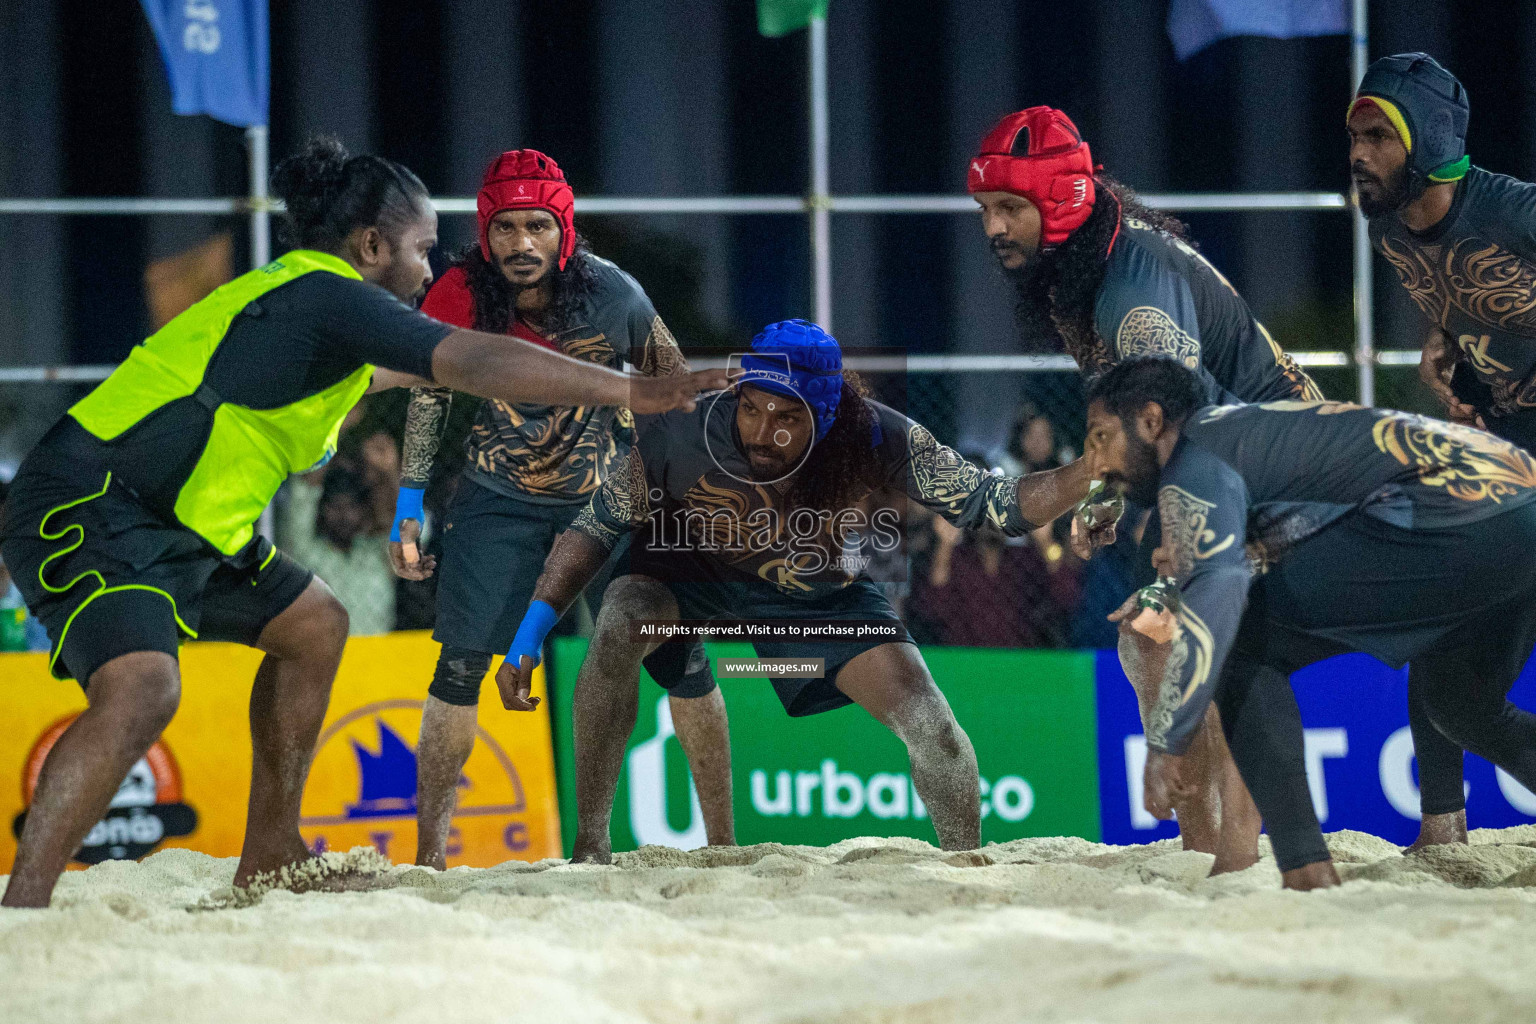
(529, 470)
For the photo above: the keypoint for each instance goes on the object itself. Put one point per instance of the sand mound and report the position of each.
(887, 930)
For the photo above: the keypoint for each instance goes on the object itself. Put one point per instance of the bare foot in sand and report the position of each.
(259, 863)
(1228, 862)
(1313, 876)
(591, 851)
(357, 870)
(1440, 830)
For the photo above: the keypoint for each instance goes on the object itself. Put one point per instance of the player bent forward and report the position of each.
(1404, 537)
(722, 494)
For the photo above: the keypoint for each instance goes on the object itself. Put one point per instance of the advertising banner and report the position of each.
(190, 789)
(1359, 754)
(824, 778)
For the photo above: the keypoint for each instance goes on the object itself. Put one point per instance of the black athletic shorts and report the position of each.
(494, 548)
(108, 577)
(707, 591)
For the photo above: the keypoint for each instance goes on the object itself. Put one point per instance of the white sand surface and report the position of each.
(868, 930)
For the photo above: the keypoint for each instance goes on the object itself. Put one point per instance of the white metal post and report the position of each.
(820, 200)
(261, 217)
(1365, 337)
(261, 246)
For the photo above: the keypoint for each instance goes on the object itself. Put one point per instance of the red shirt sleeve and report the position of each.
(450, 301)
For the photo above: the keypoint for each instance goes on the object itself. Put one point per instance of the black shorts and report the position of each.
(706, 591)
(494, 548)
(1399, 594)
(107, 577)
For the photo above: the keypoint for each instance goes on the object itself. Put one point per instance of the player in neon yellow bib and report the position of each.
(131, 526)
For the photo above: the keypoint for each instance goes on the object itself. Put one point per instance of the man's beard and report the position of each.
(512, 263)
(1391, 194)
(1031, 284)
(1139, 481)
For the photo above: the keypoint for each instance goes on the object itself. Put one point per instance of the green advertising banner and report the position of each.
(818, 780)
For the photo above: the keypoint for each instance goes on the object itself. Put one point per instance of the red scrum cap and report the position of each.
(1038, 154)
(522, 179)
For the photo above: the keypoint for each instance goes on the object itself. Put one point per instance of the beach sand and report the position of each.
(887, 930)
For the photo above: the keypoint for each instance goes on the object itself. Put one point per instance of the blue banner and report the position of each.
(1360, 762)
(215, 53)
(1195, 24)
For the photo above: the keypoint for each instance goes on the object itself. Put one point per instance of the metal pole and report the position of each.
(261, 247)
(1365, 337)
(820, 203)
(261, 217)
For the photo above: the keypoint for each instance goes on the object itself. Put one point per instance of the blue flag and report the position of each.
(216, 56)
(1195, 24)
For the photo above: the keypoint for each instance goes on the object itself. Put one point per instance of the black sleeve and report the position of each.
(363, 322)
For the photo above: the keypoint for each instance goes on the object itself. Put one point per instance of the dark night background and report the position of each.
(685, 98)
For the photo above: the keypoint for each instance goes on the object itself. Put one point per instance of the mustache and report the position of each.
(522, 261)
(1001, 246)
(1359, 173)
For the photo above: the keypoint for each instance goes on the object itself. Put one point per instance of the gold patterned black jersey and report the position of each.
(686, 486)
(1162, 298)
(540, 453)
(1277, 473)
(1474, 276)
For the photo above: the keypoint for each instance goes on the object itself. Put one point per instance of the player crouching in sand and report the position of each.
(1407, 538)
(720, 498)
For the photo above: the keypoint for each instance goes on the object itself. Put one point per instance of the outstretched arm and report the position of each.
(1051, 493)
(513, 370)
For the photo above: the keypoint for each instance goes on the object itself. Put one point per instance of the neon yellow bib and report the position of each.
(249, 452)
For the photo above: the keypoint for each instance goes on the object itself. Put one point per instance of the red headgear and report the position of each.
(1038, 154)
(523, 179)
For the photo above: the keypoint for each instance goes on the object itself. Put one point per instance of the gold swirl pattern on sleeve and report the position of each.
(1149, 331)
(622, 504)
(1466, 463)
(1302, 386)
(1185, 528)
(1194, 640)
(425, 418)
(662, 356)
(943, 480)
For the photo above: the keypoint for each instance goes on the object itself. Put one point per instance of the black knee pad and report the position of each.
(456, 680)
(681, 668)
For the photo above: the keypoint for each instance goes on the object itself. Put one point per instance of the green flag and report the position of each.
(781, 17)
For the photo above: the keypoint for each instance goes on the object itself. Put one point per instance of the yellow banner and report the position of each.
(190, 789)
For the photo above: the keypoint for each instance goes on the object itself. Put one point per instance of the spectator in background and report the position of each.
(983, 589)
(332, 522)
(19, 630)
(1033, 446)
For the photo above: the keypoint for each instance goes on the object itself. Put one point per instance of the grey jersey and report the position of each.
(1162, 298)
(1474, 276)
(1281, 471)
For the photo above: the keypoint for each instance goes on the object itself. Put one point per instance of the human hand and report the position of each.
(515, 681)
(663, 394)
(1437, 362)
(405, 556)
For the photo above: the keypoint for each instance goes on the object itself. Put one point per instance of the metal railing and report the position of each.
(819, 205)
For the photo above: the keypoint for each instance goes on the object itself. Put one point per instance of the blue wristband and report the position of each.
(407, 506)
(537, 622)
